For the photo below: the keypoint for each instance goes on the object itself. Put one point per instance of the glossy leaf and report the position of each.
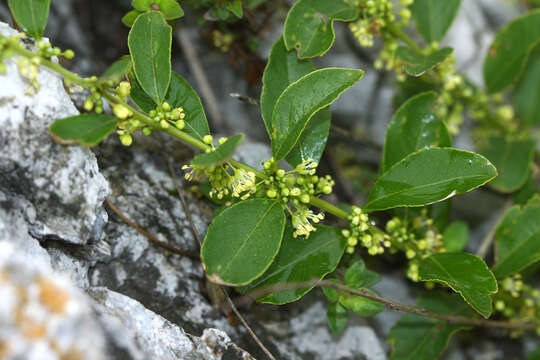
(302, 99)
(413, 127)
(235, 6)
(221, 154)
(527, 91)
(130, 17)
(518, 239)
(169, 8)
(455, 236)
(417, 337)
(416, 64)
(149, 43)
(428, 176)
(466, 274)
(337, 317)
(509, 51)
(434, 17)
(360, 305)
(180, 94)
(250, 229)
(118, 70)
(300, 260)
(85, 129)
(527, 191)
(284, 68)
(513, 159)
(31, 15)
(309, 26)
(358, 276)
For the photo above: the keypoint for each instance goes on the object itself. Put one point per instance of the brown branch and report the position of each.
(456, 319)
(150, 236)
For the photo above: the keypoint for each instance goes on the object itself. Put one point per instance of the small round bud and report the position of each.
(327, 189)
(165, 106)
(147, 131)
(164, 124)
(285, 192)
(124, 89)
(69, 54)
(120, 111)
(180, 124)
(410, 253)
(280, 173)
(271, 193)
(208, 139)
(88, 104)
(126, 139)
(222, 140)
(295, 192)
(350, 250)
(304, 198)
(352, 241)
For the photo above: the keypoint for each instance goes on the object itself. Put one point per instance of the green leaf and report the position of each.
(130, 17)
(149, 43)
(221, 154)
(358, 276)
(284, 68)
(509, 51)
(235, 7)
(85, 129)
(417, 337)
(300, 260)
(180, 94)
(416, 64)
(169, 8)
(455, 236)
(518, 239)
(118, 70)
(527, 91)
(332, 294)
(466, 274)
(242, 241)
(302, 99)
(526, 192)
(428, 176)
(434, 17)
(337, 317)
(360, 305)
(413, 127)
(513, 159)
(535, 354)
(309, 26)
(31, 15)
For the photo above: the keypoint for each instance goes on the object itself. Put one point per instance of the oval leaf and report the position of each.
(416, 64)
(518, 239)
(242, 241)
(527, 91)
(31, 15)
(413, 127)
(284, 68)
(358, 276)
(302, 99)
(309, 26)
(221, 154)
(337, 317)
(360, 305)
(300, 260)
(434, 17)
(85, 129)
(180, 94)
(417, 337)
(512, 158)
(466, 274)
(428, 176)
(455, 236)
(118, 70)
(509, 51)
(149, 43)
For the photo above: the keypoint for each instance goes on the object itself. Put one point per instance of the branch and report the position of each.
(456, 319)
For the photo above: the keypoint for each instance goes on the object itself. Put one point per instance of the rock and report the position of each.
(62, 184)
(43, 317)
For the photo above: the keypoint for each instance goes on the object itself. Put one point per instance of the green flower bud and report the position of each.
(88, 104)
(304, 198)
(147, 131)
(295, 191)
(280, 173)
(208, 139)
(126, 139)
(69, 54)
(222, 140)
(271, 193)
(165, 106)
(124, 89)
(180, 124)
(120, 111)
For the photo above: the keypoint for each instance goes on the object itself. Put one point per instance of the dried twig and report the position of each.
(456, 319)
(150, 236)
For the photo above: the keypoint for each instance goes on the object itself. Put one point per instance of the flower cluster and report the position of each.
(518, 301)
(360, 231)
(375, 15)
(294, 189)
(165, 115)
(46, 50)
(222, 41)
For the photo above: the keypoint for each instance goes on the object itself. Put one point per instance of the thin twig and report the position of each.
(202, 81)
(490, 236)
(253, 335)
(456, 319)
(196, 235)
(150, 236)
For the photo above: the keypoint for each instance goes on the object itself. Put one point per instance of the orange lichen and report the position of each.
(51, 296)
